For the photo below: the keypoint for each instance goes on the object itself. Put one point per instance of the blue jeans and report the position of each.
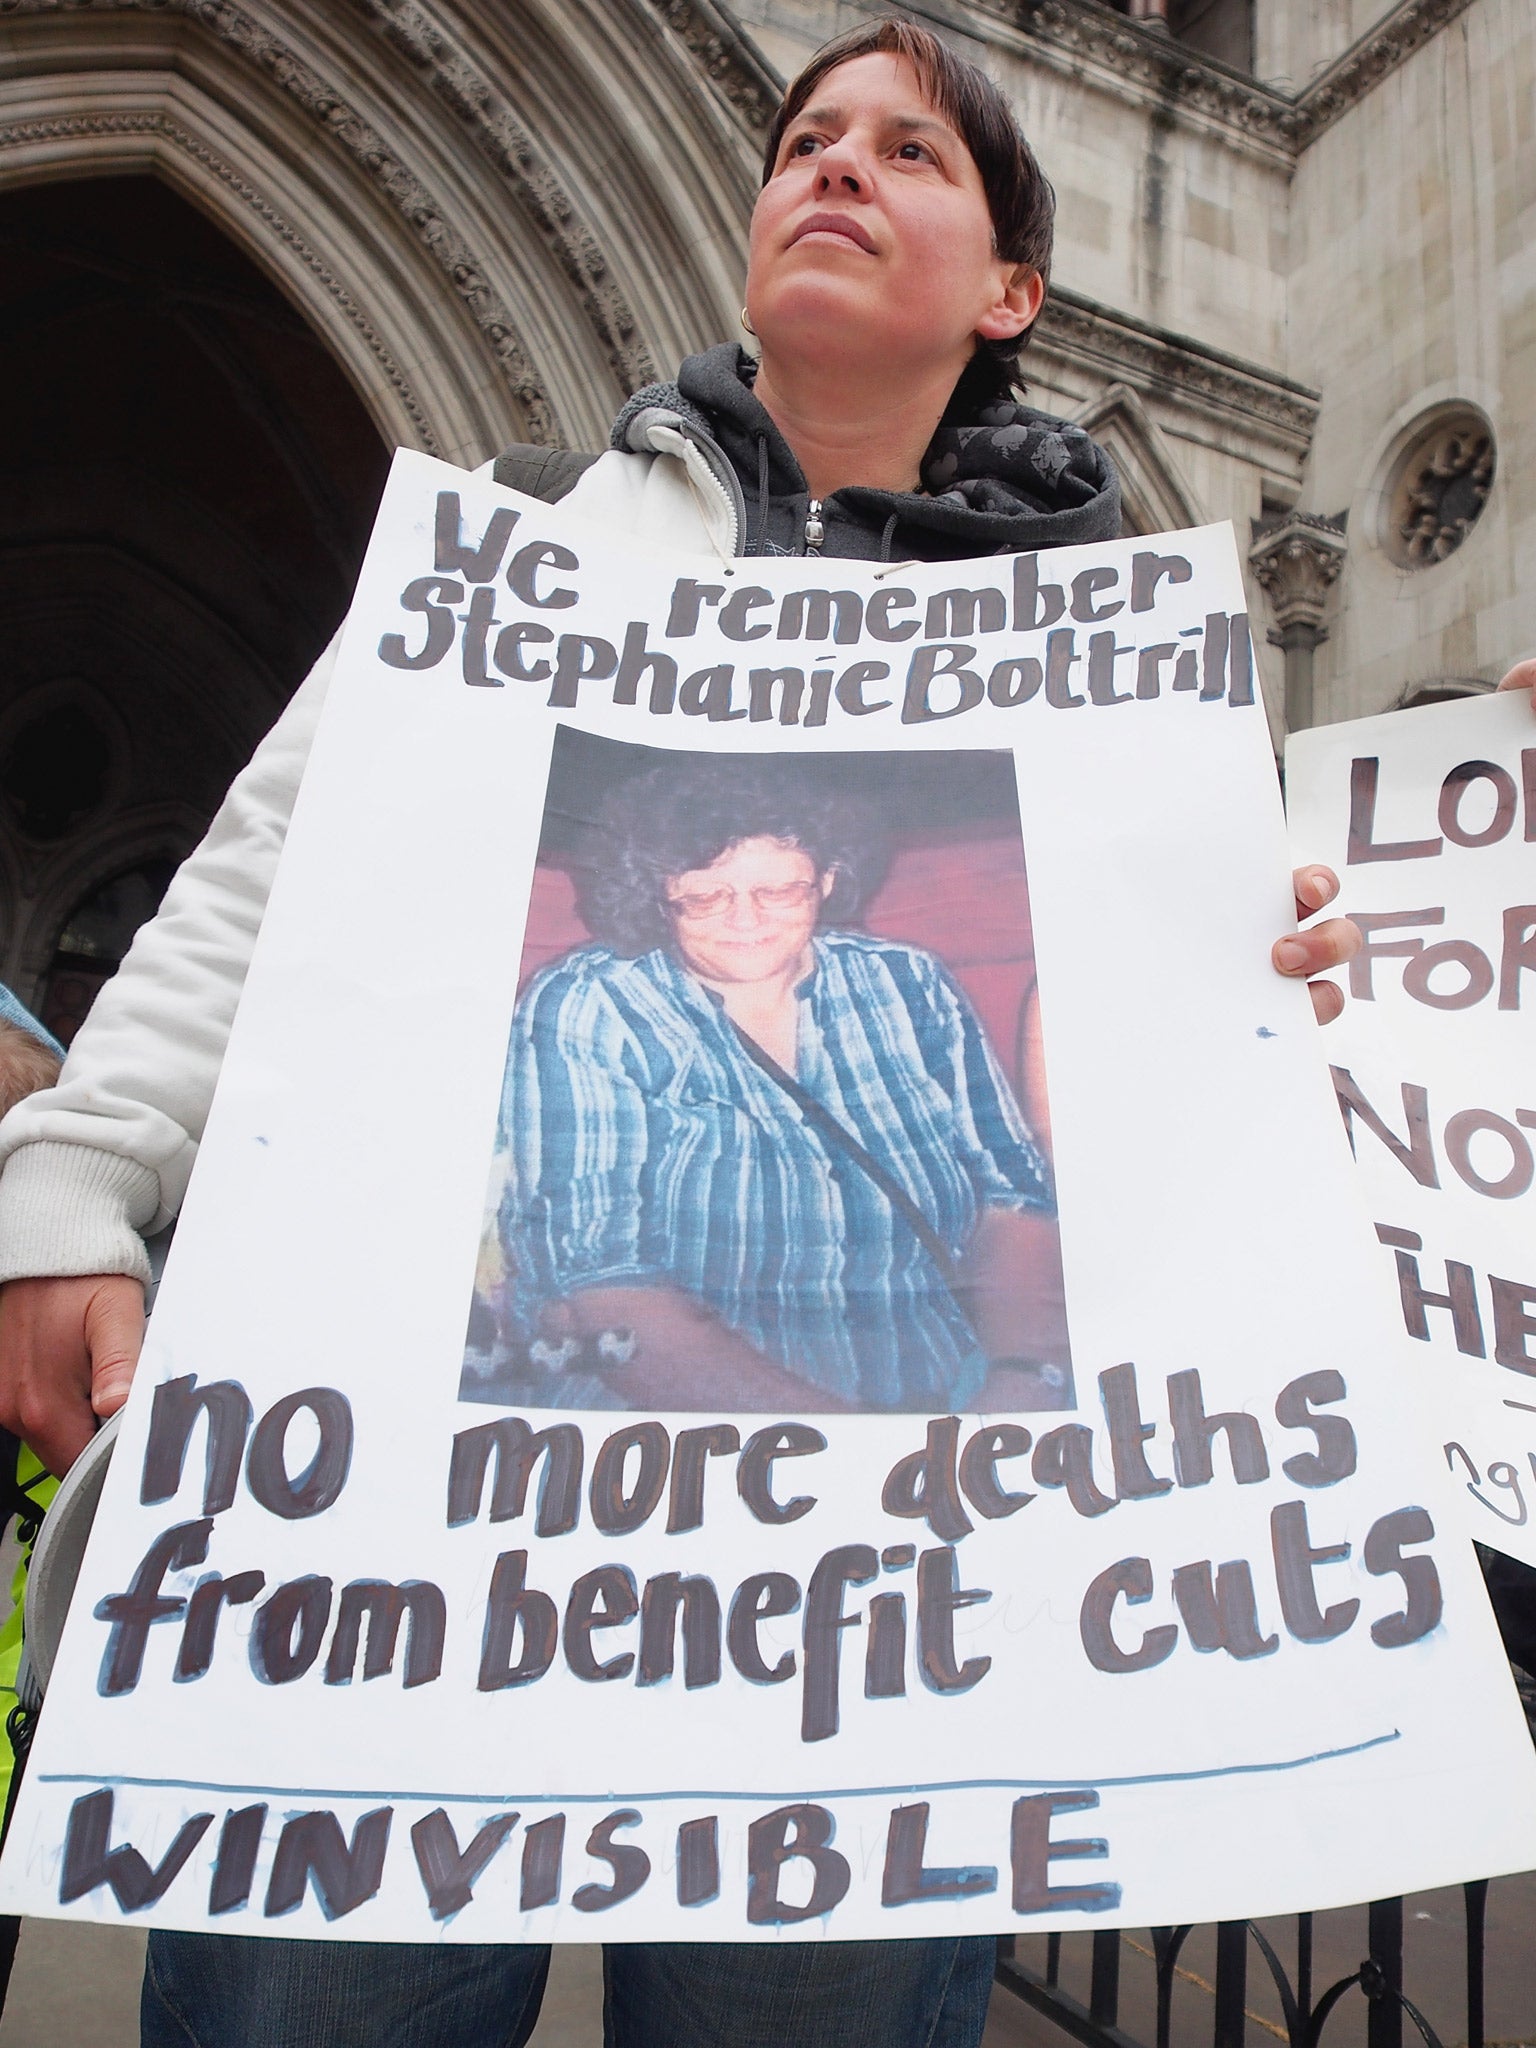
(234, 1991)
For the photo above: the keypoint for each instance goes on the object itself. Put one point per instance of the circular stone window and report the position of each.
(1438, 488)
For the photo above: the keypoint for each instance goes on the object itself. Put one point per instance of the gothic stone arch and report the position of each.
(501, 221)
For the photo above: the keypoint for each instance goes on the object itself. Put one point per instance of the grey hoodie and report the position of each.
(998, 477)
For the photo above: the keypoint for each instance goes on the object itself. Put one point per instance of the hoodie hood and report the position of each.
(997, 479)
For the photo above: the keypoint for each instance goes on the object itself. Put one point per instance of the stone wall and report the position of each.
(1296, 39)
(1413, 287)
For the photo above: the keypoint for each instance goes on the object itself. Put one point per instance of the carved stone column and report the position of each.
(1297, 562)
(1150, 13)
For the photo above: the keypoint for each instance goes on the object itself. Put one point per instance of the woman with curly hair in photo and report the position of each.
(756, 1160)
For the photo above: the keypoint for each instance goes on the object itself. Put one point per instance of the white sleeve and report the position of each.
(105, 1154)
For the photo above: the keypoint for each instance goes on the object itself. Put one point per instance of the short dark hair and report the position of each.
(1019, 195)
(683, 814)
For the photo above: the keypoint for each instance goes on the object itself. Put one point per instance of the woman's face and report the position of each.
(873, 237)
(749, 915)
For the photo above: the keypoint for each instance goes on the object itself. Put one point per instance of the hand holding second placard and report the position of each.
(1521, 677)
(1326, 945)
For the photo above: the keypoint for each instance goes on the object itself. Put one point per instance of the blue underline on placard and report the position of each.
(1294, 1763)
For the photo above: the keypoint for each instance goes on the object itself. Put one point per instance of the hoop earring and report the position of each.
(747, 324)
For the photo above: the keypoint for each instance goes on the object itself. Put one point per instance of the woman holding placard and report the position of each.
(899, 254)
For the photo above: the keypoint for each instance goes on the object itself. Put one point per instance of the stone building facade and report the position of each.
(251, 245)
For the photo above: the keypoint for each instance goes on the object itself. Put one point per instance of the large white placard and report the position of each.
(1429, 817)
(1207, 1643)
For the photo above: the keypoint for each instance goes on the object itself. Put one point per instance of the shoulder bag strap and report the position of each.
(843, 1140)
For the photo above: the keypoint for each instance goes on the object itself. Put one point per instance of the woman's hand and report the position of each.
(1338, 941)
(1522, 677)
(1332, 943)
(68, 1348)
(1324, 946)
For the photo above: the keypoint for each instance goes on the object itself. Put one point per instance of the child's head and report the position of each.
(26, 1064)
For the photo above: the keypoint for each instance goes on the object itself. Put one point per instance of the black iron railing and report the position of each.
(1305, 2011)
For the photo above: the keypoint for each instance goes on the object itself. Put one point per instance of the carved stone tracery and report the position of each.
(328, 107)
(457, 80)
(719, 47)
(1297, 563)
(1121, 346)
(1140, 63)
(1441, 489)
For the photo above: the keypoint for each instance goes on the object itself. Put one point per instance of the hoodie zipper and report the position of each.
(815, 531)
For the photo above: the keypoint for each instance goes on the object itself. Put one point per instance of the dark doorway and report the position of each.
(186, 488)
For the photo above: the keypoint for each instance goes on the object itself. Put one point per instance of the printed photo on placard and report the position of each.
(773, 1134)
